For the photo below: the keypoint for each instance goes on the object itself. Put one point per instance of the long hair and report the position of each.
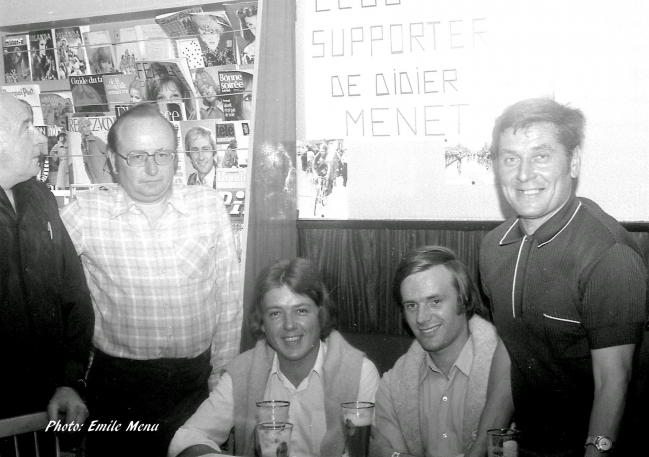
(302, 277)
(427, 257)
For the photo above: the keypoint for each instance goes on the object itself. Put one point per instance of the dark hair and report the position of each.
(142, 111)
(238, 99)
(242, 14)
(156, 88)
(427, 257)
(569, 122)
(303, 278)
(61, 135)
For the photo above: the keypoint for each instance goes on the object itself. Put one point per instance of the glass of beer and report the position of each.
(274, 438)
(357, 417)
(272, 411)
(503, 442)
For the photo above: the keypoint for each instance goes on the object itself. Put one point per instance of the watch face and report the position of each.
(603, 443)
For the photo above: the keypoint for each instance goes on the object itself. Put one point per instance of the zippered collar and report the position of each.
(549, 230)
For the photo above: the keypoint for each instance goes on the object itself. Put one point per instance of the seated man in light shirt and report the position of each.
(201, 149)
(299, 358)
(431, 402)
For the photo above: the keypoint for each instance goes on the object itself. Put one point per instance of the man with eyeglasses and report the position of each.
(164, 278)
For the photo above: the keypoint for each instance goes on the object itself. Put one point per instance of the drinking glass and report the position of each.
(357, 417)
(274, 438)
(272, 411)
(503, 442)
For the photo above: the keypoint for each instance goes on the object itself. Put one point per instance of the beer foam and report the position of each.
(359, 417)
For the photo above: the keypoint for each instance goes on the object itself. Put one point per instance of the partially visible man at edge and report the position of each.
(46, 316)
(164, 277)
(567, 285)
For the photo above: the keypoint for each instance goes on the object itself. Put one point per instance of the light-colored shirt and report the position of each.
(211, 423)
(167, 290)
(209, 179)
(441, 403)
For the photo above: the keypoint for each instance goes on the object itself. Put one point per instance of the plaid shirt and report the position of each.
(171, 290)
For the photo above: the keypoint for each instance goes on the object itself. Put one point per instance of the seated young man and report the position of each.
(299, 358)
(431, 403)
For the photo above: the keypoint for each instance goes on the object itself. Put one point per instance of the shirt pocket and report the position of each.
(196, 257)
(565, 335)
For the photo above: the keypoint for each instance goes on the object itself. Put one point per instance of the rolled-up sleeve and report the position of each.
(211, 423)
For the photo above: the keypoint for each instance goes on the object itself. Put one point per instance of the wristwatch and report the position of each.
(602, 443)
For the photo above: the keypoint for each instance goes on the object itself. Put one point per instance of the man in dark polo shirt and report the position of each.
(567, 286)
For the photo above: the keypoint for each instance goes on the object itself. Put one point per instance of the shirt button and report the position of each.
(445, 398)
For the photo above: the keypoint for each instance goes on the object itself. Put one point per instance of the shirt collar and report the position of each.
(550, 228)
(123, 203)
(209, 179)
(317, 366)
(463, 362)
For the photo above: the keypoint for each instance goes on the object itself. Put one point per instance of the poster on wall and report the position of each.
(322, 178)
(411, 87)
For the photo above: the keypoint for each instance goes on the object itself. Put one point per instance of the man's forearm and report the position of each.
(198, 450)
(612, 374)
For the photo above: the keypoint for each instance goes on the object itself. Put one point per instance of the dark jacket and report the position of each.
(46, 315)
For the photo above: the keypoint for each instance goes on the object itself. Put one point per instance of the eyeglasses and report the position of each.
(139, 158)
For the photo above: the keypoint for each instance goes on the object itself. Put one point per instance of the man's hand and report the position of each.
(67, 404)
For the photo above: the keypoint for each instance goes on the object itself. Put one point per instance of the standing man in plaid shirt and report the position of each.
(164, 279)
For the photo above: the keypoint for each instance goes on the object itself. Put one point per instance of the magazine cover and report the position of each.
(243, 17)
(71, 53)
(118, 90)
(100, 52)
(127, 50)
(235, 87)
(215, 36)
(57, 156)
(197, 139)
(190, 49)
(154, 43)
(29, 93)
(16, 59)
(42, 55)
(87, 148)
(216, 155)
(88, 93)
(168, 80)
(179, 23)
(232, 159)
(224, 94)
(43, 159)
(232, 144)
(55, 107)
